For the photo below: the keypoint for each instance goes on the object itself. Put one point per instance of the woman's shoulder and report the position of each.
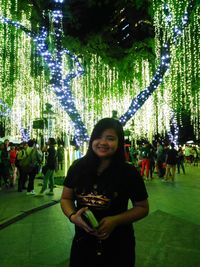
(129, 176)
(128, 168)
(77, 164)
(73, 172)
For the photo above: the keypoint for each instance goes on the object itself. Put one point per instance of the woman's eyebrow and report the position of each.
(110, 135)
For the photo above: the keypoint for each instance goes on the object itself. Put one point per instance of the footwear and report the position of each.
(40, 194)
(50, 193)
(31, 192)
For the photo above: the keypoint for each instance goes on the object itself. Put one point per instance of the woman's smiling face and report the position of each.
(106, 144)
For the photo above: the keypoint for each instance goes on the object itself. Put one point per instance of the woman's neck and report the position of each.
(104, 163)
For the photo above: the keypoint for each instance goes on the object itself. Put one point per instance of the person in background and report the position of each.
(1, 165)
(36, 160)
(171, 161)
(160, 159)
(188, 154)
(180, 160)
(152, 157)
(104, 182)
(50, 167)
(13, 169)
(61, 156)
(133, 155)
(22, 176)
(127, 151)
(5, 160)
(145, 154)
(195, 156)
(139, 156)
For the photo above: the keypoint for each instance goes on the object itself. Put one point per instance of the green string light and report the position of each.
(102, 89)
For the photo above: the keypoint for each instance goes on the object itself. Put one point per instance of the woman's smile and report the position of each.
(106, 144)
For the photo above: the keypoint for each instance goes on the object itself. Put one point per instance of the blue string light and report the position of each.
(173, 135)
(164, 65)
(62, 86)
(144, 95)
(5, 110)
(25, 134)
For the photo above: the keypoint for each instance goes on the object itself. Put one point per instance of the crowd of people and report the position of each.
(163, 158)
(104, 181)
(19, 165)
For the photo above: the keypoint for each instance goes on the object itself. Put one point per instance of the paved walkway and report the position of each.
(35, 233)
(17, 205)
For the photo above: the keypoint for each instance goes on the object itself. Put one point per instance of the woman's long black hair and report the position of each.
(106, 123)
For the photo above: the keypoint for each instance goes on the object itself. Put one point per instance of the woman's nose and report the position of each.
(103, 141)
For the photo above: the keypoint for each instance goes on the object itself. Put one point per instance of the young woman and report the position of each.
(104, 183)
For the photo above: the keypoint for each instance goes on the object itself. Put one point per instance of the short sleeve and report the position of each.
(136, 186)
(71, 176)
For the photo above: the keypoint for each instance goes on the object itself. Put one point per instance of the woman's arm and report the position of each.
(69, 209)
(109, 223)
(139, 211)
(67, 203)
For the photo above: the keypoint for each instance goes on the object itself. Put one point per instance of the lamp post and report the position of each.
(49, 116)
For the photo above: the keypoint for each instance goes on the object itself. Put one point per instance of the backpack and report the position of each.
(20, 156)
(31, 161)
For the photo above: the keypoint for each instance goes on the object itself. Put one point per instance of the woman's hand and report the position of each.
(77, 219)
(108, 224)
(106, 227)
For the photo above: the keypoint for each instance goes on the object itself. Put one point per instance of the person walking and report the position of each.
(103, 182)
(30, 165)
(171, 161)
(145, 154)
(13, 169)
(180, 160)
(5, 163)
(22, 176)
(50, 166)
(160, 159)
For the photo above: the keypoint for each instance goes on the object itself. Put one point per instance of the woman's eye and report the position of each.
(111, 138)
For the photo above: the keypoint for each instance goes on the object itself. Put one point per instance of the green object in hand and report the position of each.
(90, 219)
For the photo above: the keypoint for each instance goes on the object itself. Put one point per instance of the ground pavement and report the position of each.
(35, 233)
